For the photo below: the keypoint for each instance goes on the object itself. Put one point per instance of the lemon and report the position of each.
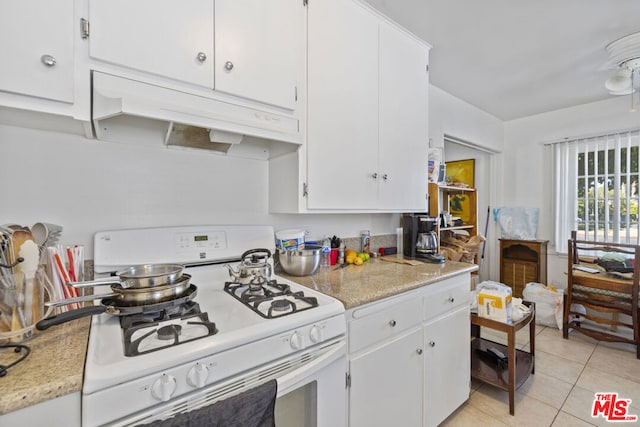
(350, 259)
(358, 261)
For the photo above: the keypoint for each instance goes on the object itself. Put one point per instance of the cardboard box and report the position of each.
(494, 302)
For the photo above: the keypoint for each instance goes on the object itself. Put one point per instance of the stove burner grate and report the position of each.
(249, 293)
(171, 333)
(275, 300)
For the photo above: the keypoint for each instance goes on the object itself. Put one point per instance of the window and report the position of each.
(596, 189)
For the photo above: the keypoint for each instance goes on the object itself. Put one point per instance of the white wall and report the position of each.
(455, 117)
(87, 186)
(527, 168)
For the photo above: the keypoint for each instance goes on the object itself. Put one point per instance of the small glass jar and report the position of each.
(366, 241)
(325, 256)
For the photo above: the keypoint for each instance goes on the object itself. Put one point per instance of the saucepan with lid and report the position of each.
(139, 276)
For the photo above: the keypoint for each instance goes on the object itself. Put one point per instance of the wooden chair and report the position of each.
(606, 296)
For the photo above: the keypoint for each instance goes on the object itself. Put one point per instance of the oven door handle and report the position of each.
(291, 380)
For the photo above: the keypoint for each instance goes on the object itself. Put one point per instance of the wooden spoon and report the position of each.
(31, 254)
(18, 320)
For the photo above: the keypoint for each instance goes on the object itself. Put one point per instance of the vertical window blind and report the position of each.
(596, 189)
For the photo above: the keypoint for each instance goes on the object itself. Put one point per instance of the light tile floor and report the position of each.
(561, 392)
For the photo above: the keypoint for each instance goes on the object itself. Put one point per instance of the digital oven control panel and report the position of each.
(198, 241)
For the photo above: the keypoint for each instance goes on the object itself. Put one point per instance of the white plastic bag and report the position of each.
(548, 303)
(517, 222)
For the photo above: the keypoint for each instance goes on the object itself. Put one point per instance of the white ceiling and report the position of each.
(516, 58)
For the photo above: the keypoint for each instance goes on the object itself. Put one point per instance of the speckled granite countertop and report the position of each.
(54, 368)
(377, 279)
(56, 364)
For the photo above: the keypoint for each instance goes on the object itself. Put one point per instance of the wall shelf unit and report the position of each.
(446, 198)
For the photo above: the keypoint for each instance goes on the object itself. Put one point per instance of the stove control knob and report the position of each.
(296, 341)
(164, 387)
(197, 376)
(315, 334)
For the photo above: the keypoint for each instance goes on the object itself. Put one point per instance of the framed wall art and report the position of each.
(461, 173)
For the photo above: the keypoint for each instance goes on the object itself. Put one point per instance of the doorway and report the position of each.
(457, 149)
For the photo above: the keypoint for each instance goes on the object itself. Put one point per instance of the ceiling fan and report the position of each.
(624, 53)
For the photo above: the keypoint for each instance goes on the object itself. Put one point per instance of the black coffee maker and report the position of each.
(420, 239)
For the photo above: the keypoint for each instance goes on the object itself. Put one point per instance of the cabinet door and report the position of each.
(162, 37)
(259, 48)
(37, 48)
(386, 384)
(342, 140)
(404, 85)
(447, 365)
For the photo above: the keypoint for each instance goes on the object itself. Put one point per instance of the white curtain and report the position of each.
(600, 174)
(565, 158)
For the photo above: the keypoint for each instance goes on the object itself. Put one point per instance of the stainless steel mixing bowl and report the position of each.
(303, 261)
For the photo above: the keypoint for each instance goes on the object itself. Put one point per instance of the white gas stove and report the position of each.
(216, 340)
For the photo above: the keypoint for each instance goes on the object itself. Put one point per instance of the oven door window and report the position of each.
(298, 408)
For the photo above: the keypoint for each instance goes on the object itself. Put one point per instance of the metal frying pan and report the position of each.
(134, 296)
(139, 276)
(112, 306)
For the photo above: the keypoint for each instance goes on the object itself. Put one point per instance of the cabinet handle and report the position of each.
(392, 323)
(419, 351)
(374, 175)
(202, 56)
(451, 299)
(384, 177)
(48, 60)
(432, 343)
(228, 65)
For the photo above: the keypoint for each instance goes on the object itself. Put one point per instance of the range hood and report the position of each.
(131, 111)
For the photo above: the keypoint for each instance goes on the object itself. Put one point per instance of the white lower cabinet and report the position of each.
(409, 362)
(387, 384)
(447, 365)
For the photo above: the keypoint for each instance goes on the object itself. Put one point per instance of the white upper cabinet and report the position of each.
(403, 129)
(342, 130)
(161, 37)
(367, 133)
(258, 45)
(36, 45)
(252, 49)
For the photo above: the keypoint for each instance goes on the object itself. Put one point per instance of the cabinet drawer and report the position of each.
(450, 294)
(389, 321)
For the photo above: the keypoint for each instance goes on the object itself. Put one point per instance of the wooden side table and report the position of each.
(520, 364)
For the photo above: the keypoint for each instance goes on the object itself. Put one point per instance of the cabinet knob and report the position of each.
(451, 299)
(374, 175)
(419, 351)
(228, 65)
(392, 323)
(48, 60)
(385, 177)
(202, 56)
(432, 343)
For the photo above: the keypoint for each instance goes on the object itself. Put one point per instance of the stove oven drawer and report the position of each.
(381, 321)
